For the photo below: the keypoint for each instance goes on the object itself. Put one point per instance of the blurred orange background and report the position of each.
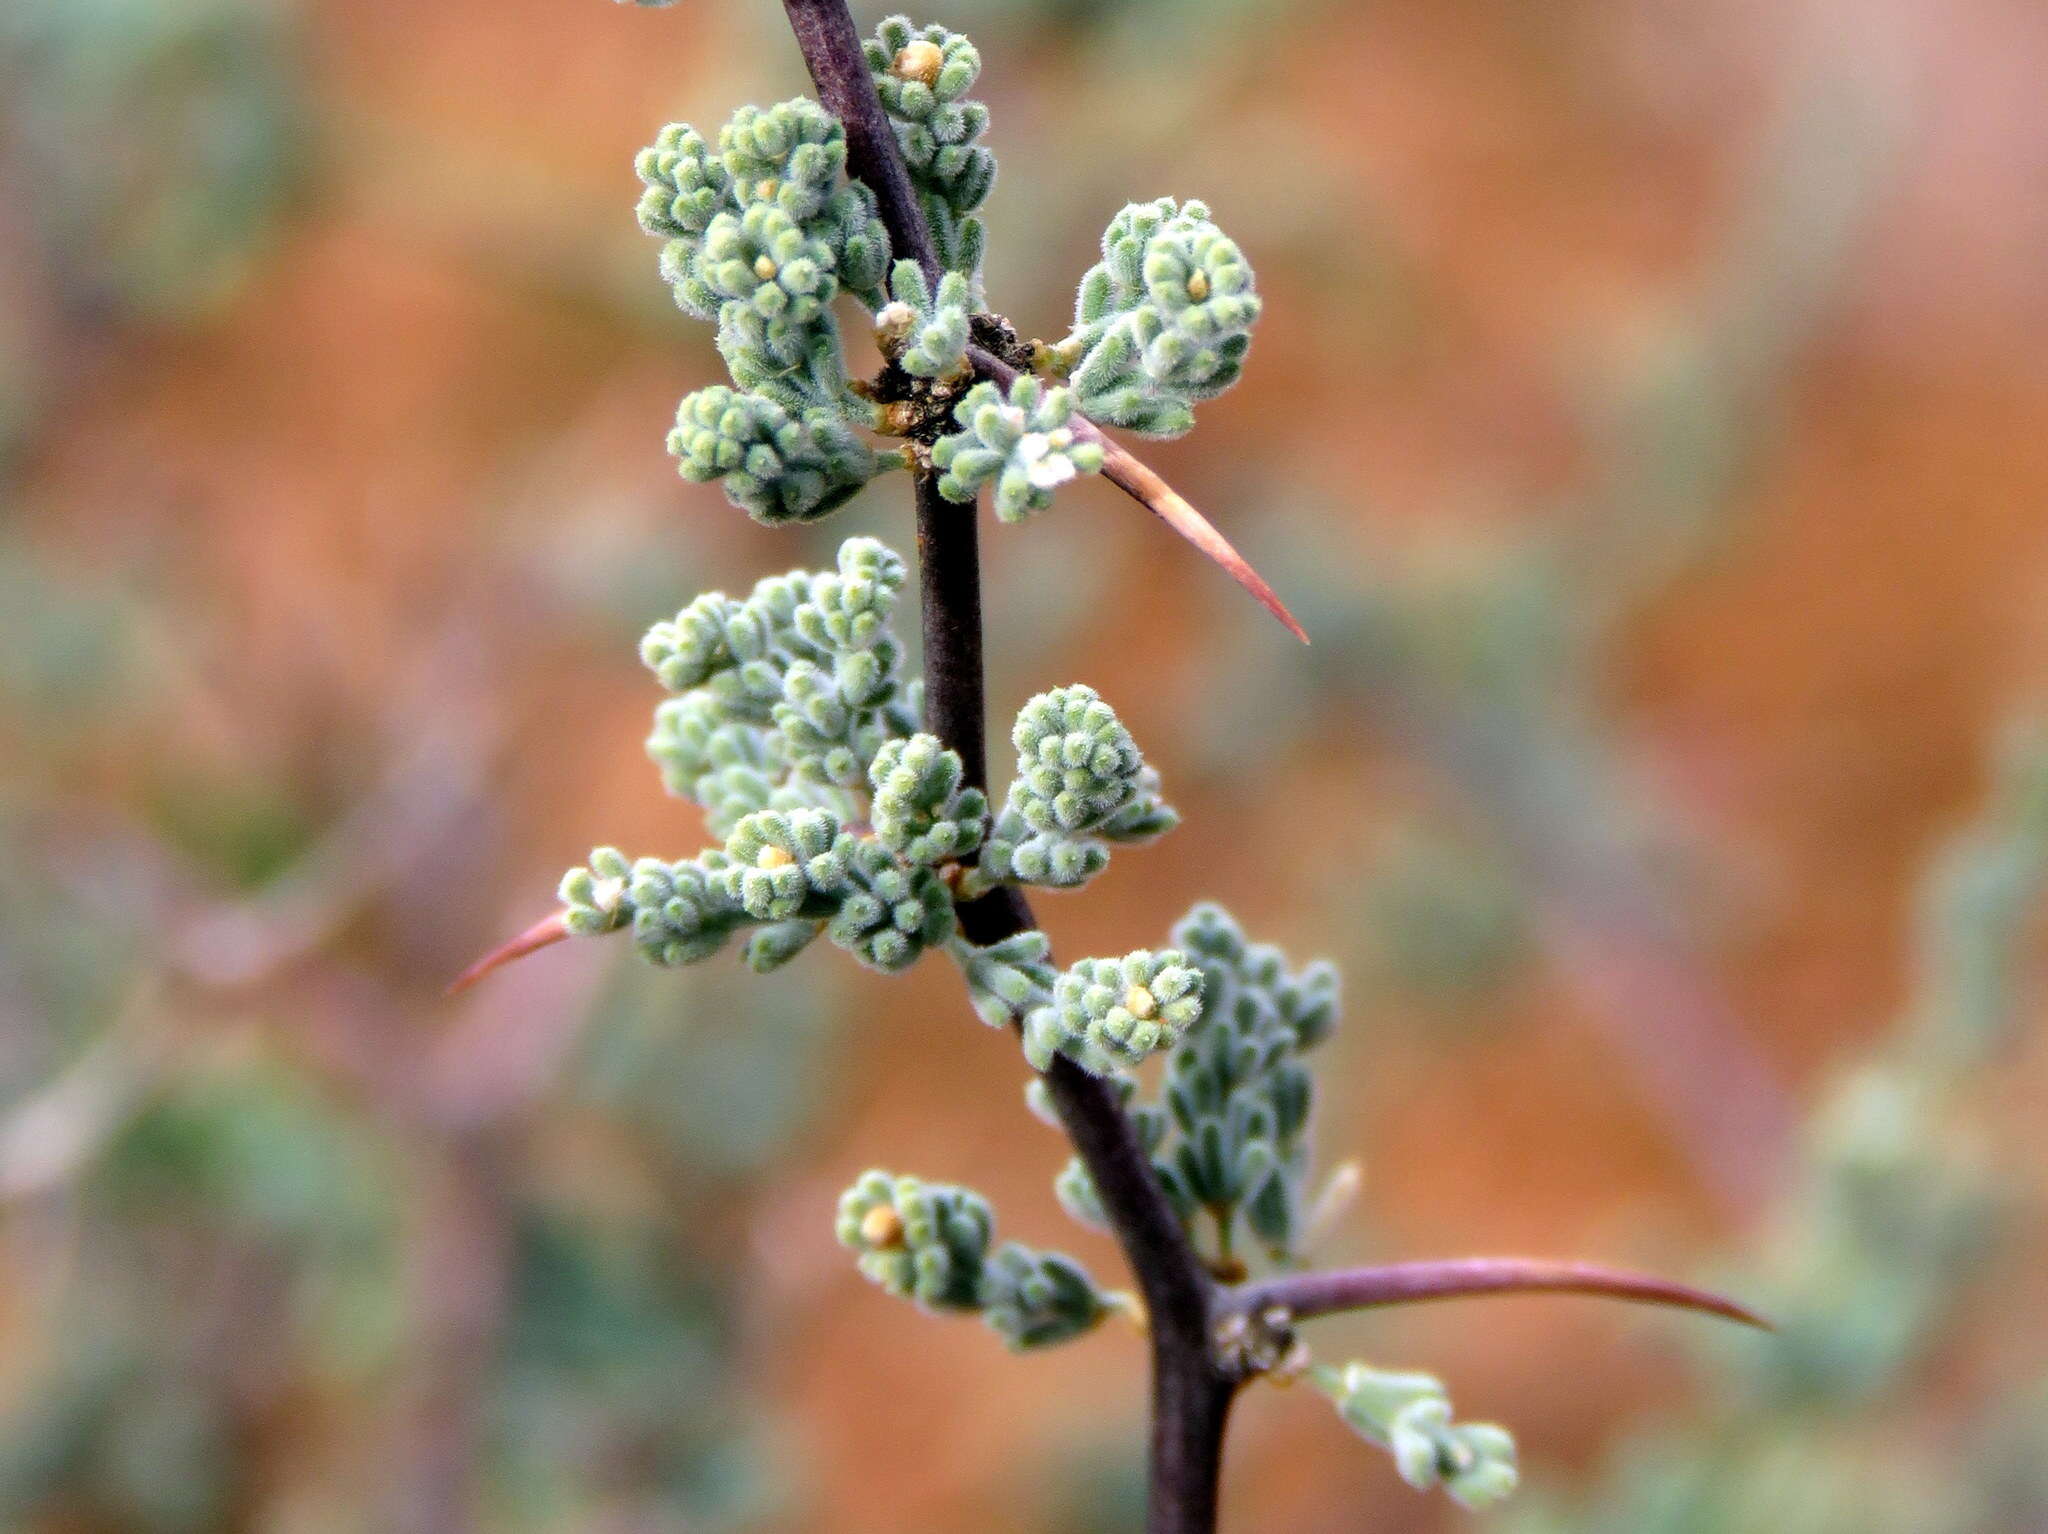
(1649, 421)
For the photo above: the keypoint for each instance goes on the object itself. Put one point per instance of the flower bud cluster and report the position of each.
(792, 727)
(925, 332)
(922, 75)
(1110, 1015)
(760, 236)
(776, 467)
(1163, 320)
(921, 812)
(1022, 442)
(1081, 784)
(931, 1244)
(1228, 1133)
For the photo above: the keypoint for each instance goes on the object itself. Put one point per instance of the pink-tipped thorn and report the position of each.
(542, 934)
(1137, 479)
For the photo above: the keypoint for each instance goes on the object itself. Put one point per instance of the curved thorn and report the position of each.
(541, 934)
(1408, 1283)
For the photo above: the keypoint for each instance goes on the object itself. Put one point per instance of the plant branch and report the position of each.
(831, 47)
(1192, 1388)
(1191, 1393)
(1305, 1295)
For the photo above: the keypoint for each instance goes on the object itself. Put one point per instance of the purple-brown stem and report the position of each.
(1191, 1393)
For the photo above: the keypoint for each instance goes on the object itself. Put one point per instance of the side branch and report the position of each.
(1305, 1295)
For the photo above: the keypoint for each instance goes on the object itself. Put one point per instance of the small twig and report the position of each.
(1305, 1295)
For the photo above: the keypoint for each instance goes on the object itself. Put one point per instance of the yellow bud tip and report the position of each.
(773, 857)
(882, 1228)
(764, 267)
(919, 61)
(1139, 1002)
(1198, 286)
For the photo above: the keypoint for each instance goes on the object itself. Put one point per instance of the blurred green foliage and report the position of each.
(1877, 1254)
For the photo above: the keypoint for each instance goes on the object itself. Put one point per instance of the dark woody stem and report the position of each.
(1192, 1389)
(1191, 1393)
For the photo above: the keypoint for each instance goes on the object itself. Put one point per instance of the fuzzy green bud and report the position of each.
(1021, 442)
(1113, 1014)
(1163, 320)
(680, 913)
(782, 863)
(922, 75)
(687, 187)
(1076, 763)
(1409, 1415)
(789, 156)
(594, 898)
(889, 914)
(777, 467)
(920, 1241)
(921, 811)
(926, 333)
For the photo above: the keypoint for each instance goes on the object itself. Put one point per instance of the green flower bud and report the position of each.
(1021, 442)
(851, 608)
(927, 335)
(689, 649)
(594, 898)
(1409, 1415)
(789, 156)
(776, 467)
(680, 914)
(920, 1241)
(1076, 763)
(1112, 1014)
(921, 812)
(761, 260)
(922, 76)
(1163, 320)
(889, 914)
(783, 864)
(687, 187)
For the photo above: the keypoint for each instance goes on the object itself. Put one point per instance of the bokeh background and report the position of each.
(1650, 423)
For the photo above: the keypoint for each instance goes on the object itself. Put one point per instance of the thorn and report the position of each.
(541, 934)
(1137, 480)
(1167, 504)
(1407, 1283)
(1340, 1192)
